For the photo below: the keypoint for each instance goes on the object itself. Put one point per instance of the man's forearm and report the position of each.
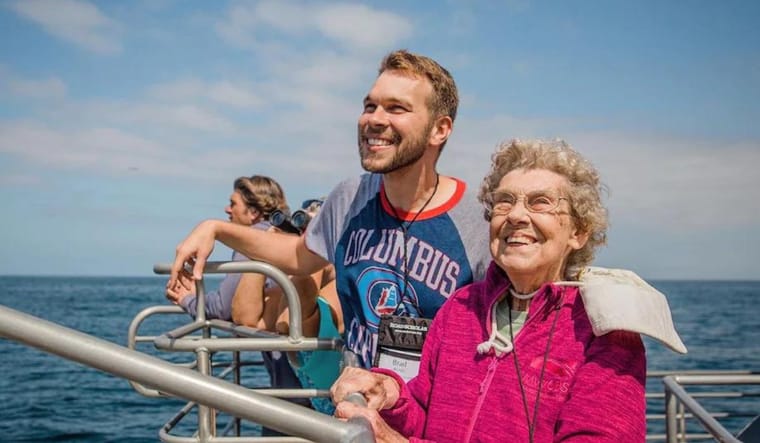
(286, 252)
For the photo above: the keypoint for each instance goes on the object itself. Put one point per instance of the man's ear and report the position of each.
(440, 131)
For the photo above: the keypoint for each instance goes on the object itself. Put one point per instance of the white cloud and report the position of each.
(234, 27)
(188, 116)
(361, 26)
(236, 95)
(288, 16)
(349, 25)
(677, 183)
(326, 70)
(76, 21)
(20, 180)
(148, 116)
(35, 88)
(668, 182)
(52, 87)
(98, 150)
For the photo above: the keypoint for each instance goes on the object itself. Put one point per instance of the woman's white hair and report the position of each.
(584, 194)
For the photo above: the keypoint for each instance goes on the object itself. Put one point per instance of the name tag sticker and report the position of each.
(405, 364)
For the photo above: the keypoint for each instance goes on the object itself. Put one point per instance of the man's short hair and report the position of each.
(445, 98)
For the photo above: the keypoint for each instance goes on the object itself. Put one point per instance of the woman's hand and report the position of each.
(181, 289)
(381, 391)
(383, 432)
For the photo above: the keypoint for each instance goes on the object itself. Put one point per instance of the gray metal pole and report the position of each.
(674, 389)
(178, 381)
(291, 294)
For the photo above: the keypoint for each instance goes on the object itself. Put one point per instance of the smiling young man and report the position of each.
(402, 237)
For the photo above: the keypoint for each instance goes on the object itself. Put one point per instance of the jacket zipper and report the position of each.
(484, 385)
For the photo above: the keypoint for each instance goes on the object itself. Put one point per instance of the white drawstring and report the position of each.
(499, 348)
(497, 341)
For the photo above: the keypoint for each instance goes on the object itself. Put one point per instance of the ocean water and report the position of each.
(46, 398)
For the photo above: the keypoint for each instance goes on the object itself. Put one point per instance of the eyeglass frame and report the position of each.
(491, 210)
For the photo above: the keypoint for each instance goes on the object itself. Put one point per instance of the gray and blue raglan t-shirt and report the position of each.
(446, 248)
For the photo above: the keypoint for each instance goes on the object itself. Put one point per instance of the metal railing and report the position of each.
(657, 415)
(208, 338)
(671, 409)
(677, 400)
(178, 381)
(677, 416)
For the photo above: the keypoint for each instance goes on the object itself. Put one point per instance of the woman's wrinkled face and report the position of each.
(532, 247)
(239, 212)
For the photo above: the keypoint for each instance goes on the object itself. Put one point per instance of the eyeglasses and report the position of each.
(502, 203)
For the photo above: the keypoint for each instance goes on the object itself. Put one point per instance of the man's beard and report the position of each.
(407, 152)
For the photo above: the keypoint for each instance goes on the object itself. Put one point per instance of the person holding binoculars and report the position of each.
(257, 306)
(297, 222)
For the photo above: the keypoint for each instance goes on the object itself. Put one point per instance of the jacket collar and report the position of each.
(497, 284)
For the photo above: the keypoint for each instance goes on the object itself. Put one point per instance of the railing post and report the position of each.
(682, 421)
(236, 379)
(670, 416)
(206, 415)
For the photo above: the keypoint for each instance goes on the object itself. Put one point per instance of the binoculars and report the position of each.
(295, 223)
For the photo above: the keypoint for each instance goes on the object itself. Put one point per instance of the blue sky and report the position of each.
(123, 124)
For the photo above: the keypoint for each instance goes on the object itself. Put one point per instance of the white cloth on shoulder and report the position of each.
(618, 299)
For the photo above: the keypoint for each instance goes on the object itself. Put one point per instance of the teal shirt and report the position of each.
(320, 369)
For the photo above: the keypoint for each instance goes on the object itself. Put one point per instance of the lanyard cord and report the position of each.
(405, 228)
(532, 421)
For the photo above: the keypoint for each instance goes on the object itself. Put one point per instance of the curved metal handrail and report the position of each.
(675, 394)
(177, 381)
(259, 267)
(177, 340)
(133, 339)
(185, 338)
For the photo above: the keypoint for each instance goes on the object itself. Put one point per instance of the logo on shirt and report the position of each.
(388, 301)
(382, 289)
(426, 264)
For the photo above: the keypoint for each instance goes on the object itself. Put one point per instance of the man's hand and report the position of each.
(194, 251)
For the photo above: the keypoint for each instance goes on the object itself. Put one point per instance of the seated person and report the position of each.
(321, 316)
(517, 357)
(252, 201)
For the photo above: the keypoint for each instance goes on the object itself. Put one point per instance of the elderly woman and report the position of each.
(514, 357)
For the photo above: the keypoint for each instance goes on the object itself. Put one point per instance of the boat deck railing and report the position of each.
(717, 402)
(191, 381)
(665, 422)
(682, 406)
(218, 345)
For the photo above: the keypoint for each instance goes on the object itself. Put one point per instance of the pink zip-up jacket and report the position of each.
(592, 388)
